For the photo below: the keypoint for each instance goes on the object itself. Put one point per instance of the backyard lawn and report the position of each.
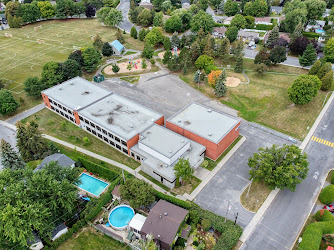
(88, 239)
(22, 56)
(52, 124)
(265, 100)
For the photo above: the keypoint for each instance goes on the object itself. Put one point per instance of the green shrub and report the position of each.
(313, 234)
(206, 224)
(264, 27)
(180, 203)
(323, 215)
(311, 34)
(327, 195)
(180, 242)
(101, 170)
(193, 217)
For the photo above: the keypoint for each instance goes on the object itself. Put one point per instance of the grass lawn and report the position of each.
(33, 164)
(265, 100)
(130, 53)
(22, 56)
(131, 79)
(187, 187)
(258, 193)
(88, 239)
(52, 124)
(212, 164)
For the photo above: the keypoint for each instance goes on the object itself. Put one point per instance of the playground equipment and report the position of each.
(8, 35)
(38, 28)
(175, 51)
(40, 41)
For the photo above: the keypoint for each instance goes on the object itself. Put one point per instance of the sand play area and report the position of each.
(232, 81)
(136, 66)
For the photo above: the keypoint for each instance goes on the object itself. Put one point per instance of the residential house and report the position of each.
(276, 9)
(61, 159)
(59, 231)
(146, 4)
(219, 32)
(266, 20)
(248, 35)
(117, 47)
(282, 35)
(164, 222)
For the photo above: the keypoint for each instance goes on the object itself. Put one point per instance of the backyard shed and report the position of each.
(117, 47)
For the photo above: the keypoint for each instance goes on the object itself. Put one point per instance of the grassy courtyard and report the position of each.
(265, 99)
(22, 56)
(52, 124)
(88, 238)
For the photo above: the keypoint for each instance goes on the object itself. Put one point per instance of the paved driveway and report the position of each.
(167, 94)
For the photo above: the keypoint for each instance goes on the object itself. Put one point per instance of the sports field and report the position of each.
(24, 51)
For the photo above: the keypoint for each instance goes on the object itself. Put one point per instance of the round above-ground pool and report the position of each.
(120, 216)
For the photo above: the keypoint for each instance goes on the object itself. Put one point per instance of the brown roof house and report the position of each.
(219, 32)
(163, 223)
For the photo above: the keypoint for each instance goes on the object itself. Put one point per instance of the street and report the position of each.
(281, 223)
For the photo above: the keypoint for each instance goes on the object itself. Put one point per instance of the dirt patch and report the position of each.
(161, 54)
(136, 67)
(232, 81)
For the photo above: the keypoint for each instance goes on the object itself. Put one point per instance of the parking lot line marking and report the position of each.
(322, 141)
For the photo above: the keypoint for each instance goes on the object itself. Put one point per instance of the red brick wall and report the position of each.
(76, 116)
(160, 121)
(213, 151)
(46, 101)
(133, 141)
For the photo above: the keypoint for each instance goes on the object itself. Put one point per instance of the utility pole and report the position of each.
(228, 209)
(249, 188)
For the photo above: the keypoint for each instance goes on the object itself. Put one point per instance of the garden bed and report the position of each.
(258, 193)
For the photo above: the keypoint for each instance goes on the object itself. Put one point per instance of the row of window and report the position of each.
(112, 143)
(60, 106)
(102, 130)
(63, 114)
(135, 156)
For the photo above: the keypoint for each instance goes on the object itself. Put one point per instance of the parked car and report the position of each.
(330, 208)
(219, 21)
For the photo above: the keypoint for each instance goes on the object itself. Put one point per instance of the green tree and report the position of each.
(326, 67)
(279, 167)
(232, 33)
(158, 20)
(29, 141)
(327, 81)
(64, 9)
(119, 36)
(309, 56)
(166, 5)
(46, 9)
(167, 44)
(98, 43)
(203, 61)
(293, 18)
(273, 37)
(239, 21)
(145, 18)
(278, 54)
(76, 55)
(197, 76)
(263, 57)
(107, 49)
(33, 86)
(202, 20)
(9, 157)
(329, 50)
(261, 68)
(248, 9)
(134, 32)
(231, 8)
(315, 68)
(250, 22)
(133, 13)
(11, 8)
(259, 8)
(220, 87)
(224, 48)
(115, 68)
(239, 64)
(155, 36)
(175, 41)
(167, 57)
(298, 32)
(221, 7)
(8, 103)
(194, 51)
(315, 9)
(137, 192)
(29, 12)
(14, 21)
(51, 74)
(148, 51)
(210, 46)
(144, 64)
(142, 34)
(91, 59)
(183, 170)
(173, 24)
(304, 88)
(109, 16)
(70, 69)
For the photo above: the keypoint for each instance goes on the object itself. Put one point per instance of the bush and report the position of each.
(180, 242)
(332, 178)
(311, 34)
(327, 195)
(264, 27)
(180, 203)
(323, 215)
(313, 234)
(206, 224)
(193, 217)
(102, 171)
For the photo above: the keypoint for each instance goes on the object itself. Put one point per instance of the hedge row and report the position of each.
(310, 34)
(323, 215)
(95, 168)
(332, 178)
(230, 233)
(264, 27)
(327, 195)
(313, 234)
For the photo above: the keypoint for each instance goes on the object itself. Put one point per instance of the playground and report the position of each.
(136, 66)
(24, 51)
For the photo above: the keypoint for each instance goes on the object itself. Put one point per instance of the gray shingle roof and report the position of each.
(61, 159)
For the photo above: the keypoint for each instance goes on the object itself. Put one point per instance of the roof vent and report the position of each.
(165, 213)
(210, 134)
(209, 110)
(170, 151)
(131, 125)
(160, 216)
(60, 89)
(182, 141)
(179, 120)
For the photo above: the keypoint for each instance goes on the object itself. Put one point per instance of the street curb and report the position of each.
(8, 125)
(250, 227)
(215, 170)
(316, 123)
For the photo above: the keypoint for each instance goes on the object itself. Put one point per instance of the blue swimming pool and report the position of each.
(91, 184)
(120, 216)
(319, 31)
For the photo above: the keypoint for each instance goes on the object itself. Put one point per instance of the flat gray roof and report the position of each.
(163, 140)
(120, 115)
(204, 121)
(76, 93)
